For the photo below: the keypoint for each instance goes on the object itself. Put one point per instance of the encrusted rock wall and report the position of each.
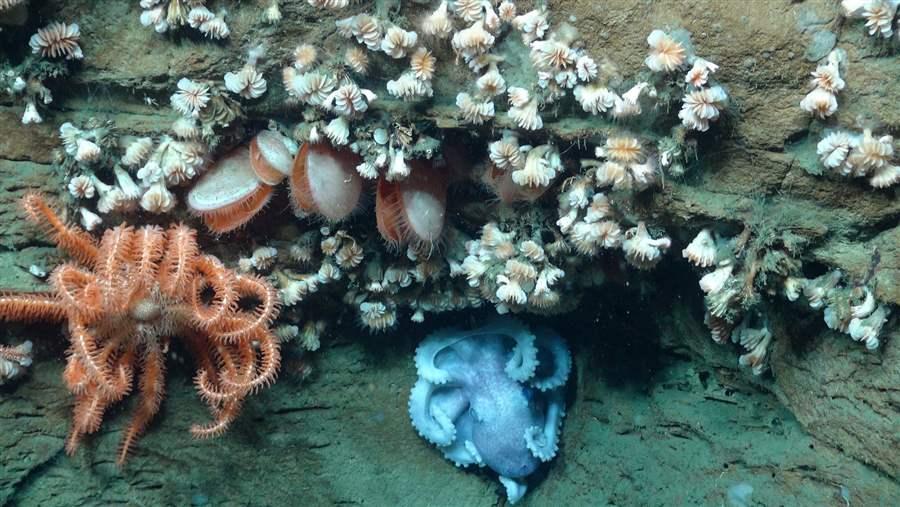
(844, 396)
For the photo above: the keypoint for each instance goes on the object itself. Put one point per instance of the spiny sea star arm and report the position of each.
(96, 363)
(211, 274)
(250, 324)
(152, 389)
(31, 307)
(78, 291)
(223, 417)
(86, 417)
(177, 266)
(149, 248)
(267, 368)
(116, 250)
(71, 239)
(213, 358)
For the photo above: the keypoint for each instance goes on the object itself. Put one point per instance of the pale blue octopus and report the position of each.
(492, 397)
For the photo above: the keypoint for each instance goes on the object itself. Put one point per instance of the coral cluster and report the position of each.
(124, 174)
(587, 215)
(329, 86)
(57, 40)
(742, 273)
(735, 269)
(346, 140)
(702, 100)
(848, 153)
(9, 4)
(169, 15)
(880, 15)
(826, 83)
(248, 82)
(127, 173)
(513, 273)
(860, 156)
(850, 309)
(374, 283)
(125, 297)
(53, 48)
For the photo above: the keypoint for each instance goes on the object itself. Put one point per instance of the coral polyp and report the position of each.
(230, 194)
(324, 181)
(412, 210)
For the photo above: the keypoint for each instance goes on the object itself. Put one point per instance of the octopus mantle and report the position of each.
(492, 397)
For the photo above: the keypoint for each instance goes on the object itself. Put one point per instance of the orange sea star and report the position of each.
(125, 297)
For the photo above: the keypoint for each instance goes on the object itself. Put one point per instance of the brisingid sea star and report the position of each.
(125, 297)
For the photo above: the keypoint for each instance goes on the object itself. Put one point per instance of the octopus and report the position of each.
(492, 397)
(125, 297)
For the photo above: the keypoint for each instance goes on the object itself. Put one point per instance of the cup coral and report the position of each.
(324, 181)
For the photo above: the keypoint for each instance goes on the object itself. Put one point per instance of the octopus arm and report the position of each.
(433, 413)
(515, 490)
(543, 442)
(463, 452)
(426, 355)
(555, 361)
(523, 362)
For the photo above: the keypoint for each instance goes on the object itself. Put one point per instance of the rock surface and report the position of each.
(351, 416)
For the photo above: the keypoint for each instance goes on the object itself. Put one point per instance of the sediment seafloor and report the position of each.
(662, 429)
(657, 413)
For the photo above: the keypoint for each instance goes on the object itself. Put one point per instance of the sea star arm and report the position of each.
(250, 324)
(116, 250)
(223, 417)
(87, 415)
(149, 247)
(176, 269)
(212, 275)
(96, 363)
(73, 240)
(152, 386)
(267, 368)
(236, 361)
(78, 291)
(31, 307)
